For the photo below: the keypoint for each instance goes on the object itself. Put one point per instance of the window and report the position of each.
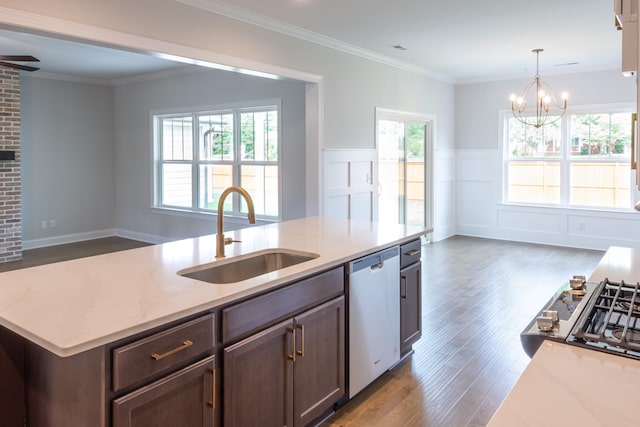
(199, 154)
(582, 160)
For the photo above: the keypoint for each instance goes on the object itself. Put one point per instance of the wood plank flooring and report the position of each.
(478, 295)
(50, 254)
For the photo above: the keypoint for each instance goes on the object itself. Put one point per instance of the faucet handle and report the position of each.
(229, 240)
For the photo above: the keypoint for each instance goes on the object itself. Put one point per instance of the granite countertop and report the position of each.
(569, 385)
(73, 306)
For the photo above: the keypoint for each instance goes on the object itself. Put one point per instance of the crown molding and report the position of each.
(240, 14)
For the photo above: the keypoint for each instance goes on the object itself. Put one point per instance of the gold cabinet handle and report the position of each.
(292, 356)
(413, 252)
(634, 119)
(212, 404)
(185, 344)
(301, 351)
(403, 295)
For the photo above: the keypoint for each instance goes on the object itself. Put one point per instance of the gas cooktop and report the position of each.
(611, 320)
(603, 316)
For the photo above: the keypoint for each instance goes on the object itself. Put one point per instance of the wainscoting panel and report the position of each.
(349, 190)
(444, 223)
(481, 212)
(541, 222)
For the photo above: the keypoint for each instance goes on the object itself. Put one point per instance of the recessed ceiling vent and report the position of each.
(566, 64)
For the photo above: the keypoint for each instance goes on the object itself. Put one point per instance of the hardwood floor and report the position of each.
(50, 254)
(478, 295)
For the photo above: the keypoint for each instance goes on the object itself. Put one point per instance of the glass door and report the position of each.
(402, 176)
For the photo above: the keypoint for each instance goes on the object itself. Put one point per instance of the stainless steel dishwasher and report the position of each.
(374, 317)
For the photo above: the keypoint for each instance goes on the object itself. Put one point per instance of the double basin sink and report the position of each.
(247, 266)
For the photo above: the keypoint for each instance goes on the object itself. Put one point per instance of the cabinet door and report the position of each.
(258, 379)
(319, 379)
(410, 306)
(185, 398)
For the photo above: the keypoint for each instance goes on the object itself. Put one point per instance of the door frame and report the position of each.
(429, 176)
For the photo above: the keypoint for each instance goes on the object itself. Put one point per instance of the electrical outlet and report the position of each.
(582, 226)
(52, 223)
(43, 224)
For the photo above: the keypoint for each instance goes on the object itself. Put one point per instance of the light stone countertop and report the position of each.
(73, 306)
(566, 385)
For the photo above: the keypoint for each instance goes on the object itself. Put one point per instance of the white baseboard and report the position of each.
(68, 238)
(142, 237)
(98, 234)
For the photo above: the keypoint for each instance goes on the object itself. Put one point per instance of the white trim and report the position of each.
(67, 238)
(234, 109)
(429, 121)
(141, 237)
(240, 14)
(565, 159)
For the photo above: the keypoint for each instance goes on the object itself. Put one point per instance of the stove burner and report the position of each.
(626, 305)
(632, 336)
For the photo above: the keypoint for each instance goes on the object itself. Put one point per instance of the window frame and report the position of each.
(564, 159)
(196, 162)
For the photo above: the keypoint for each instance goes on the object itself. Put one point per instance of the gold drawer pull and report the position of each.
(301, 351)
(413, 252)
(185, 344)
(212, 404)
(292, 356)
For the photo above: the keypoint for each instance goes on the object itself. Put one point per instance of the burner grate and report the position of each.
(611, 319)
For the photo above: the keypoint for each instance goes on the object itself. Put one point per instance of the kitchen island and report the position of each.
(569, 385)
(82, 323)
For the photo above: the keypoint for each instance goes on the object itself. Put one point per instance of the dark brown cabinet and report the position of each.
(410, 296)
(173, 376)
(185, 398)
(288, 374)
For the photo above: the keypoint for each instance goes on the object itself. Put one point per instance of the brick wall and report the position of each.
(10, 190)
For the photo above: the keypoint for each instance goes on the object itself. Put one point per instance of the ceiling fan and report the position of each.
(18, 58)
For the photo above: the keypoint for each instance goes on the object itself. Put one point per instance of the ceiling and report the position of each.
(457, 40)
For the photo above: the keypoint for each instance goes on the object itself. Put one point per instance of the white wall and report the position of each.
(67, 160)
(134, 104)
(479, 207)
(350, 87)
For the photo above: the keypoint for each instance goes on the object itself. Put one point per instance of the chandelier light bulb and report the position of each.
(520, 100)
(565, 96)
(512, 98)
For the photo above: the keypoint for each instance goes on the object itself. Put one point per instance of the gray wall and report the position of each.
(133, 106)
(87, 152)
(477, 105)
(67, 157)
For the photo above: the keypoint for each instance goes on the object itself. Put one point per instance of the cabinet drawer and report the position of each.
(162, 352)
(410, 253)
(243, 319)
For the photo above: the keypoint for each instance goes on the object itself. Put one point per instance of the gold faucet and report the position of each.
(220, 240)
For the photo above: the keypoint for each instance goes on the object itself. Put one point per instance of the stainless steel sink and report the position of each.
(245, 267)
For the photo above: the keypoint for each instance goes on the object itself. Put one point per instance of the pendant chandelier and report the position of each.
(543, 98)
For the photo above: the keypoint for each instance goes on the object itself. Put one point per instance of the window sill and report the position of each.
(568, 208)
(210, 215)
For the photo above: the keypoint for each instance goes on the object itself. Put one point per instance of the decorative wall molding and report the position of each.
(480, 212)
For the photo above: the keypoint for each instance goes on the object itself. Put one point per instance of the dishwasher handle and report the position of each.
(378, 266)
(374, 261)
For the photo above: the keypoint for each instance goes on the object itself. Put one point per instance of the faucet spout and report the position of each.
(251, 216)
